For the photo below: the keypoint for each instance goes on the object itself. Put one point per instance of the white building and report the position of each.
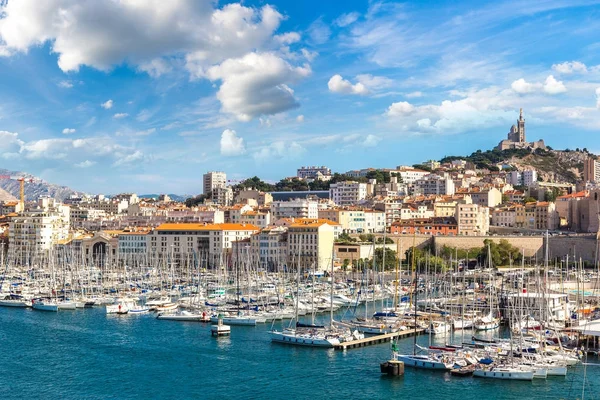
(270, 247)
(33, 233)
(410, 175)
(313, 172)
(472, 219)
(434, 184)
(297, 208)
(222, 195)
(347, 193)
(212, 180)
(133, 243)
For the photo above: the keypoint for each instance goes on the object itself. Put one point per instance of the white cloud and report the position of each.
(570, 67)
(65, 84)
(552, 86)
(476, 109)
(375, 82)
(144, 115)
(279, 150)
(337, 84)
(85, 164)
(287, 38)
(146, 132)
(10, 143)
(68, 131)
(266, 122)
(120, 115)
(371, 141)
(232, 144)
(131, 158)
(319, 32)
(162, 35)
(598, 98)
(346, 19)
(256, 84)
(51, 149)
(155, 67)
(300, 118)
(107, 105)
(91, 33)
(413, 95)
(400, 108)
(521, 86)
(309, 55)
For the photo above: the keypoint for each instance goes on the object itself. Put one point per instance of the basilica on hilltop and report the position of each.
(516, 138)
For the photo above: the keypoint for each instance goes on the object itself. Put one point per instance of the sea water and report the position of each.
(86, 354)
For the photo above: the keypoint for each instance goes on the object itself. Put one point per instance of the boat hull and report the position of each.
(301, 340)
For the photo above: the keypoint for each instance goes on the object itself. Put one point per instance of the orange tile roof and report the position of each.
(308, 222)
(206, 227)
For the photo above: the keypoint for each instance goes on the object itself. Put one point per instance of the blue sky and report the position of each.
(146, 96)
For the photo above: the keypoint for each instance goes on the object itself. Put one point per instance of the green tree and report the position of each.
(345, 238)
(505, 198)
(391, 258)
(530, 200)
(502, 253)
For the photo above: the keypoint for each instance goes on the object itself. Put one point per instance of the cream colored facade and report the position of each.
(310, 242)
(472, 219)
(182, 241)
(33, 234)
(257, 218)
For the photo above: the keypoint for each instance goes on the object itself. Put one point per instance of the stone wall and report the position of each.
(532, 246)
(583, 247)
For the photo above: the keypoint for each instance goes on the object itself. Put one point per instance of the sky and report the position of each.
(147, 95)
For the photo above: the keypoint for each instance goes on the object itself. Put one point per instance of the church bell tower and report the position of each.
(521, 127)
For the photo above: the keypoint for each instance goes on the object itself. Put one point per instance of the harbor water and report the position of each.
(86, 354)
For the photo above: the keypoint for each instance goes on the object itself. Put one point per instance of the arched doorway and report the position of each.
(99, 253)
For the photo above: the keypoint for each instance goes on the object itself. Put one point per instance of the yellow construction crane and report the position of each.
(21, 188)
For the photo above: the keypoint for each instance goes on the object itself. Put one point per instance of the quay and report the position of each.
(368, 341)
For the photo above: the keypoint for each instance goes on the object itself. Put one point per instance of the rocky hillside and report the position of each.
(34, 188)
(5, 196)
(552, 165)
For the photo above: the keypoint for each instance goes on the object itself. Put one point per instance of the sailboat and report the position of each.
(489, 321)
(312, 335)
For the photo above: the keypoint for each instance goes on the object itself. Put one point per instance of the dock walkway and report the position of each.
(370, 340)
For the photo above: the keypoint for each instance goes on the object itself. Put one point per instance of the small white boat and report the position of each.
(15, 303)
(43, 305)
(462, 324)
(438, 328)
(487, 323)
(139, 310)
(506, 373)
(238, 320)
(166, 307)
(67, 305)
(424, 362)
(184, 316)
(312, 338)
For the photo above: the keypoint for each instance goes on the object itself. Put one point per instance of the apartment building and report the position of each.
(472, 219)
(347, 193)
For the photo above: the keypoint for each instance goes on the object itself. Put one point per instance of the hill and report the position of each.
(552, 165)
(35, 188)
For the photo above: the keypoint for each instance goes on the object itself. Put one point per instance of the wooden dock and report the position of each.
(371, 340)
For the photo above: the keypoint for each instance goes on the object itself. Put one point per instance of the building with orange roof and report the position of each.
(310, 243)
(445, 226)
(258, 218)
